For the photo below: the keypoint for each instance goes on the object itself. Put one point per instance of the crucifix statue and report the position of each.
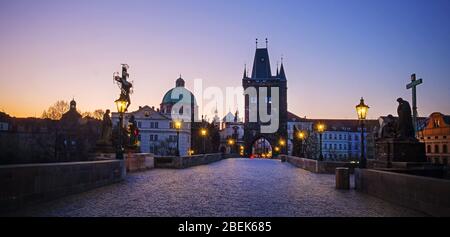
(412, 86)
(124, 85)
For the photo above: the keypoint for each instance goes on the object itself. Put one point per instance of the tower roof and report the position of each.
(282, 73)
(261, 64)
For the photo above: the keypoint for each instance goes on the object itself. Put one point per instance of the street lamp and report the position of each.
(121, 108)
(282, 144)
(361, 110)
(178, 125)
(320, 130)
(277, 149)
(231, 143)
(301, 135)
(203, 133)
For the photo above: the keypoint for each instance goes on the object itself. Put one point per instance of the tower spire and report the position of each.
(282, 74)
(267, 43)
(278, 73)
(245, 71)
(256, 42)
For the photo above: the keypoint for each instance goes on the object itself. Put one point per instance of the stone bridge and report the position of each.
(229, 187)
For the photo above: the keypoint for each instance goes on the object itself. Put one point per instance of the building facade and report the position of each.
(157, 132)
(231, 128)
(436, 136)
(341, 139)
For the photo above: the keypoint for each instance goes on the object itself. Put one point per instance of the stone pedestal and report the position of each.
(395, 150)
(104, 147)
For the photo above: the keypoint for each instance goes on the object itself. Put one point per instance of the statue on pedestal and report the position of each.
(106, 128)
(397, 143)
(405, 125)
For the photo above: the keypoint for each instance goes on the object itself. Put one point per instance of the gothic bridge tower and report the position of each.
(257, 142)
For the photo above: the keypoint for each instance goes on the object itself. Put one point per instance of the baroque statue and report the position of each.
(124, 85)
(405, 127)
(106, 135)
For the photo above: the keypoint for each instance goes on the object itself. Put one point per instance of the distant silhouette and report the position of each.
(405, 124)
(106, 128)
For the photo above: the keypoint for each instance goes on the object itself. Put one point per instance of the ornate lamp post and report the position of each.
(203, 133)
(361, 110)
(231, 143)
(301, 135)
(178, 125)
(282, 144)
(277, 149)
(121, 108)
(320, 130)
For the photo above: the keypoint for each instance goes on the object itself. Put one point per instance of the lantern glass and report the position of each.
(301, 135)
(320, 127)
(121, 105)
(178, 124)
(203, 132)
(362, 110)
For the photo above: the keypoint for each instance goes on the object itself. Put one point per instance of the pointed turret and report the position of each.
(278, 72)
(282, 74)
(245, 72)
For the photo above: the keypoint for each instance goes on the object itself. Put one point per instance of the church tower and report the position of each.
(261, 77)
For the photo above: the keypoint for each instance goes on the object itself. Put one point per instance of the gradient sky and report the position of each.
(334, 51)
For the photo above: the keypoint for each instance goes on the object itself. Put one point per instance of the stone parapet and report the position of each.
(325, 167)
(182, 162)
(429, 195)
(32, 183)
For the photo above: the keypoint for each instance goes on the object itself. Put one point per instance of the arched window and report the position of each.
(444, 148)
(436, 148)
(429, 149)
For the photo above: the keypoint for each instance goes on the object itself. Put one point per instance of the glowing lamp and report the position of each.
(320, 127)
(178, 124)
(362, 109)
(121, 105)
(301, 135)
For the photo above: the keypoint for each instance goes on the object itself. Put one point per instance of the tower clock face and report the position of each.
(262, 59)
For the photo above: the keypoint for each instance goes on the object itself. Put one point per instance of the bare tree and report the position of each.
(87, 114)
(98, 114)
(56, 111)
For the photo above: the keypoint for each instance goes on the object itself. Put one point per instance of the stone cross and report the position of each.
(412, 86)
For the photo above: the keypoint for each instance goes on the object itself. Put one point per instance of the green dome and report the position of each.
(180, 91)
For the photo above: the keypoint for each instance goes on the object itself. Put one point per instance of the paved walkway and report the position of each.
(232, 187)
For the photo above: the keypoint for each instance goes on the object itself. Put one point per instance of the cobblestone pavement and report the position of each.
(232, 187)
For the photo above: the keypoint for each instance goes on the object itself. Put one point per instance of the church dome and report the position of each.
(176, 94)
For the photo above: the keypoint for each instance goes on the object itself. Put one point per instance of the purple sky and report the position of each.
(334, 51)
